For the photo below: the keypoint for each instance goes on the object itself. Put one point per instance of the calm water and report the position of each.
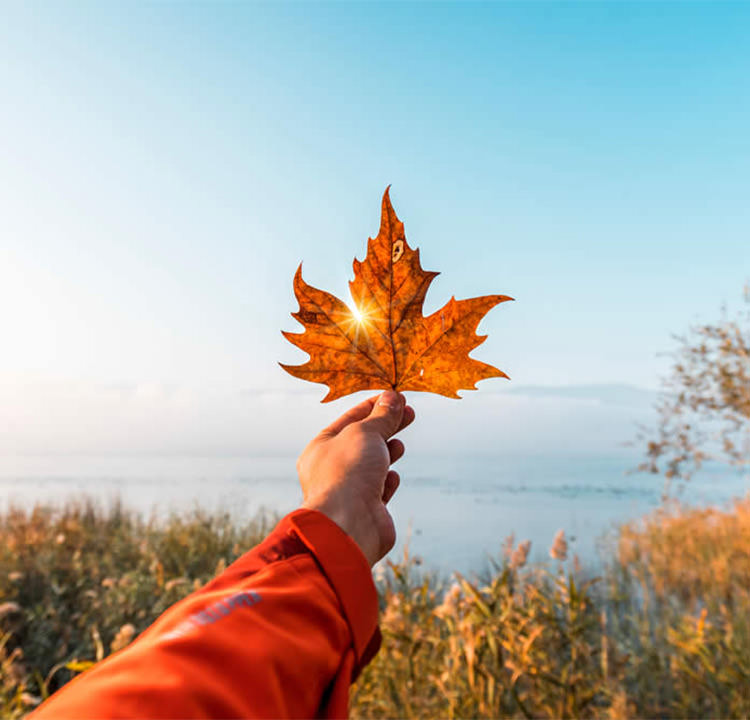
(455, 512)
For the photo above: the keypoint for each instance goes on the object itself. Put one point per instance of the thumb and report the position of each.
(386, 414)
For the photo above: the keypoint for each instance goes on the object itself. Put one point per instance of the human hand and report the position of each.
(344, 472)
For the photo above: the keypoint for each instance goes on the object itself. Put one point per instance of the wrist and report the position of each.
(356, 524)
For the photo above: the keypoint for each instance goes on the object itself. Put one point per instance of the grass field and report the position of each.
(664, 631)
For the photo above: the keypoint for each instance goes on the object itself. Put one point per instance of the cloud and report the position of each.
(41, 417)
(605, 394)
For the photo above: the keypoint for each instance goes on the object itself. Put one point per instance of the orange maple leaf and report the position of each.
(385, 341)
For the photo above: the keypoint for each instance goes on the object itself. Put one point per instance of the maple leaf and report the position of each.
(385, 341)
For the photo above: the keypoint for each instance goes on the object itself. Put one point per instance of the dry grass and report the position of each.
(83, 581)
(665, 632)
(700, 556)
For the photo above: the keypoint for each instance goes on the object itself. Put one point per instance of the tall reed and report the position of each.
(663, 631)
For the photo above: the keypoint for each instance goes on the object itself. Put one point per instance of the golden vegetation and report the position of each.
(84, 582)
(663, 632)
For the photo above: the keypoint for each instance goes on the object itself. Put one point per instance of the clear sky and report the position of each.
(165, 167)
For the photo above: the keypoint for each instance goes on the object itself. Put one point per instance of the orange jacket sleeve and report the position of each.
(282, 632)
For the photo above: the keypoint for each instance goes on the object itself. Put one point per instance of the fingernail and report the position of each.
(390, 399)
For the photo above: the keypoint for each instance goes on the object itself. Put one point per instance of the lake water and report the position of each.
(453, 511)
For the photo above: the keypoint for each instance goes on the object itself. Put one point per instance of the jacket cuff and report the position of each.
(349, 573)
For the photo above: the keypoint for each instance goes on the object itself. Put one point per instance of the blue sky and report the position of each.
(165, 167)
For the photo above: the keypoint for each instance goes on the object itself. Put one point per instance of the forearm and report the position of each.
(278, 634)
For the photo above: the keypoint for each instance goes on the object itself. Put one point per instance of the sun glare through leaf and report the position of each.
(358, 315)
